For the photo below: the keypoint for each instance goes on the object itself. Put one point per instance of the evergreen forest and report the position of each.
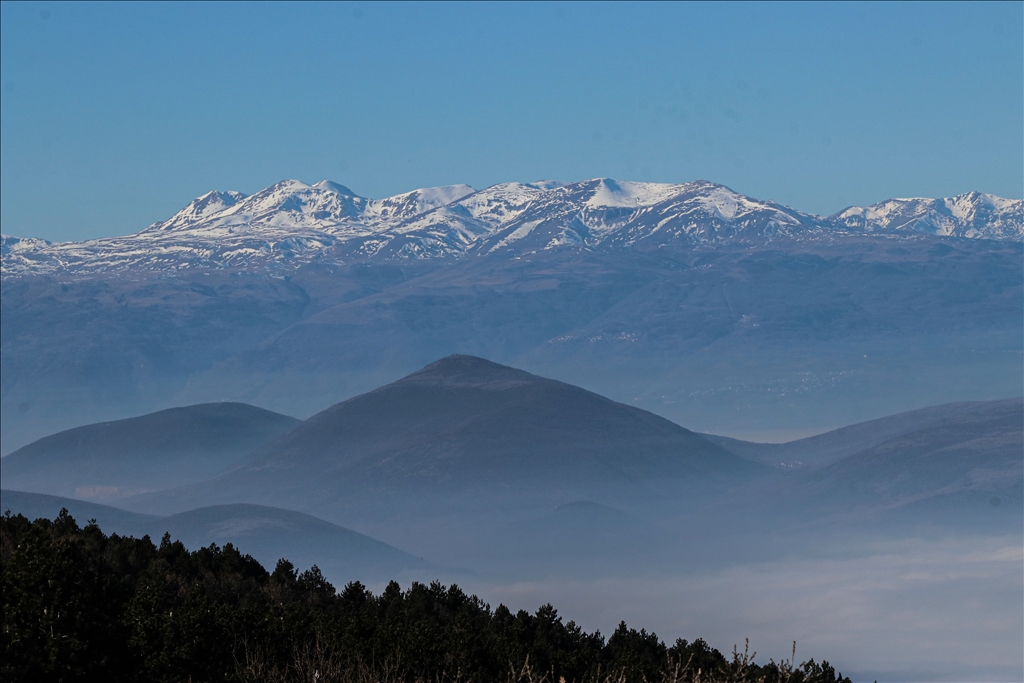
(81, 605)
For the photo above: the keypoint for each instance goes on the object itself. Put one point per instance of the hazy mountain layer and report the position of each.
(169, 448)
(956, 466)
(971, 456)
(110, 519)
(823, 449)
(467, 419)
(923, 515)
(266, 533)
(465, 427)
(716, 310)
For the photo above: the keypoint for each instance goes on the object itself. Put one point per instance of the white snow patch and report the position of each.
(610, 193)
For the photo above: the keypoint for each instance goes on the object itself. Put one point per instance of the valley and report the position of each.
(553, 389)
(515, 486)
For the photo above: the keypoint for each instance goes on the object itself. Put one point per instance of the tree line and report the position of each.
(81, 605)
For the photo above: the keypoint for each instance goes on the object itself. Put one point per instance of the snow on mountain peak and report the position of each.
(336, 188)
(201, 208)
(608, 193)
(10, 244)
(293, 201)
(420, 201)
(606, 213)
(547, 184)
(972, 215)
(291, 222)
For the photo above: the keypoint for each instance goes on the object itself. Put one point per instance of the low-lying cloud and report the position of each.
(917, 610)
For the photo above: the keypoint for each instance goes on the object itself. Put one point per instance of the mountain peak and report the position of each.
(460, 370)
(201, 208)
(608, 192)
(294, 223)
(465, 419)
(972, 215)
(10, 243)
(336, 188)
(416, 202)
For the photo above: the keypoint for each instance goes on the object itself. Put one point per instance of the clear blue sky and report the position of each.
(115, 115)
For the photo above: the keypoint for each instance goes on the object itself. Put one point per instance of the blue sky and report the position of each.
(113, 116)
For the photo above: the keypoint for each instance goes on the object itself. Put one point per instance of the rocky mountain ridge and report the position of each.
(292, 223)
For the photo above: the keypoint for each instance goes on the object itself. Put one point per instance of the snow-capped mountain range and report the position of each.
(972, 215)
(292, 223)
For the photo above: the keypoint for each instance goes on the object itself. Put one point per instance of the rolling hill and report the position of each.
(823, 449)
(168, 448)
(954, 467)
(971, 458)
(464, 418)
(266, 533)
(465, 440)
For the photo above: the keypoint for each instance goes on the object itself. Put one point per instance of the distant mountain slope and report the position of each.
(109, 518)
(823, 449)
(463, 418)
(269, 533)
(168, 448)
(806, 332)
(975, 455)
(266, 533)
(457, 427)
(948, 469)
